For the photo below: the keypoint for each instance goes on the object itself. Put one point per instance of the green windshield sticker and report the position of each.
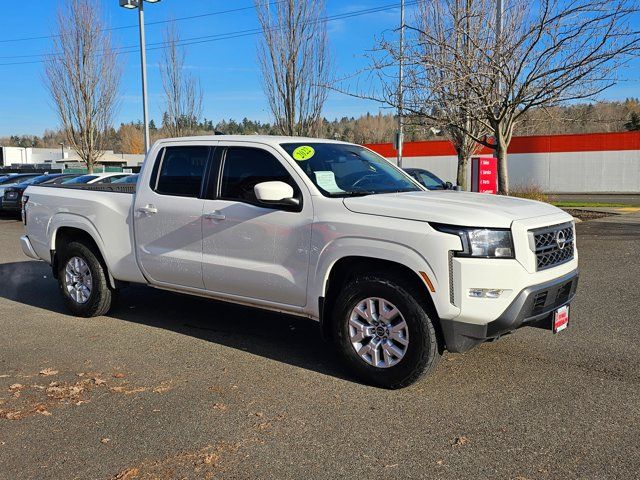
(303, 153)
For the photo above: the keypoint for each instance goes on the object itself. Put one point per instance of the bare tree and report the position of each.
(547, 54)
(183, 95)
(294, 62)
(433, 96)
(474, 80)
(439, 95)
(83, 77)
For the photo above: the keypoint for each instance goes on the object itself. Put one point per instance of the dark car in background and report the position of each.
(11, 201)
(14, 179)
(429, 180)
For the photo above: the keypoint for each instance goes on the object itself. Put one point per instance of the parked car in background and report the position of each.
(394, 273)
(14, 180)
(12, 199)
(128, 179)
(93, 178)
(429, 180)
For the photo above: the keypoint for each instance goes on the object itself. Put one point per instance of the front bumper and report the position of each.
(533, 306)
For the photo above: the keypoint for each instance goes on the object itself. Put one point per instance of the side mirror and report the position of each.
(275, 193)
(448, 185)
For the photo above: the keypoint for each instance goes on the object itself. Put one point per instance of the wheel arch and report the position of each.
(349, 267)
(64, 234)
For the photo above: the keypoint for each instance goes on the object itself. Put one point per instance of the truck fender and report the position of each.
(363, 247)
(71, 220)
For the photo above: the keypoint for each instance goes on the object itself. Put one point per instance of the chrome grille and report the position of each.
(553, 245)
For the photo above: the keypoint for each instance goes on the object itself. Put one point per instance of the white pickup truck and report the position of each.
(394, 273)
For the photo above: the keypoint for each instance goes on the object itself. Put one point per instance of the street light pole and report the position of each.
(143, 65)
(400, 137)
(139, 4)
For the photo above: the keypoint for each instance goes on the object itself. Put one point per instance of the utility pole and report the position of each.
(498, 50)
(499, 8)
(400, 135)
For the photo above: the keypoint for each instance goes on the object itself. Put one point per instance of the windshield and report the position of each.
(14, 179)
(35, 180)
(429, 180)
(341, 170)
(127, 179)
(81, 179)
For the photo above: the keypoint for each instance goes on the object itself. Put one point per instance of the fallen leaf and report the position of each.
(118, 375)
(14, 415)
(394, 465)
(163, 387)
(127, 474)
(16, 386)
(459, 441)
(98, 381)
(5, 376)
(105, 440)
(440, 462)
(128, 392)
(219, 406)
(48, 371)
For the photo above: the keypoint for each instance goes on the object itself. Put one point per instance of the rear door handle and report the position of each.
(148, 209)
(216, 215)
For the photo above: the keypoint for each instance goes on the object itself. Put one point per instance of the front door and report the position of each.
(168, 217)
(253, 251)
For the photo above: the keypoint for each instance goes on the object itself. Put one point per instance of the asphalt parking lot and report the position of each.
(169, 386)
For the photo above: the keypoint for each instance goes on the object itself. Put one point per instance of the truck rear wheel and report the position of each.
(384, 333)
(83, 281)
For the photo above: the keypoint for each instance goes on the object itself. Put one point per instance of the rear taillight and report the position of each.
(25, 199)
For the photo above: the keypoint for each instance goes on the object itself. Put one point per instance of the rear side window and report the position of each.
(245, 167)
(181, 171)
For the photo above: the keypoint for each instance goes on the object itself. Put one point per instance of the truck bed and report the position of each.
(105, 211)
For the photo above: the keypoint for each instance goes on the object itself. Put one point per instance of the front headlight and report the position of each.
(481, 242)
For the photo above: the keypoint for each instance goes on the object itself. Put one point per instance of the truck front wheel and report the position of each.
(83, 281)
(384, 332)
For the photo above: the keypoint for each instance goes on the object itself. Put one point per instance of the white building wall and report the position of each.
(573, 172)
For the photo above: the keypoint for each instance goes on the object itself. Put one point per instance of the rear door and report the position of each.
(168, 211)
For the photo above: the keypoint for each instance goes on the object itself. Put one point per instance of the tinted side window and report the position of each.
(182, 170)
(246, 167)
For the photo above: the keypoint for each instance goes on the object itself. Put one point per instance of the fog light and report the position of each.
(485, 292)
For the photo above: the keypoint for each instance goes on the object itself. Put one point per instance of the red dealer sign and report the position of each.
(484, 175)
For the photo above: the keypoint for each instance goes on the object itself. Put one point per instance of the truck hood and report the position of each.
(451, 207)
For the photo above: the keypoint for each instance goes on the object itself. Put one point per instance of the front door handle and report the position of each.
(216, 215)
(148, 209)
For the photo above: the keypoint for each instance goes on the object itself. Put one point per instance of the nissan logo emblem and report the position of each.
(561, 239)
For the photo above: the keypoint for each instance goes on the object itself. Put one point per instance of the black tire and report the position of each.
(101, 297)
(423, 351)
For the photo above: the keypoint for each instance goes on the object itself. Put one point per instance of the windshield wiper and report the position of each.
(354, 193)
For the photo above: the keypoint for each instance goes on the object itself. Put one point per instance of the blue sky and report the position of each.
(227, 69)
